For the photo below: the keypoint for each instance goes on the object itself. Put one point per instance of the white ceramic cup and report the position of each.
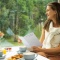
(29, 55)
(23, 49)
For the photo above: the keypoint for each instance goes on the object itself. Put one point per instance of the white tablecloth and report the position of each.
(14, 51)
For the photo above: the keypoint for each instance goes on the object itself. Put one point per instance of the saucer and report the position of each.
(26, 59)
(2, 57)
(20, 52)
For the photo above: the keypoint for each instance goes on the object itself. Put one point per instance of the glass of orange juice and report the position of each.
(4, 51)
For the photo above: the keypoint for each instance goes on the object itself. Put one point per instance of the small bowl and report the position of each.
(23, 49)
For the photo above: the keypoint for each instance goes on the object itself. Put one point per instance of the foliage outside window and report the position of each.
(22, 16)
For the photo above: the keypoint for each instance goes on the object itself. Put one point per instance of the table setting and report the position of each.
(19, 53)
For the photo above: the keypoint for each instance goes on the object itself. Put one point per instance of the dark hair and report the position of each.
(54, 6)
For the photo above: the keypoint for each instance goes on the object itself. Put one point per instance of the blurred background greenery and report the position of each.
(22, 17)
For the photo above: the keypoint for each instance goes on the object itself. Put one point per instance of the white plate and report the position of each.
(24, 59)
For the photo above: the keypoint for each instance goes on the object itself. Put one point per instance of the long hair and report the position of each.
(56, 7)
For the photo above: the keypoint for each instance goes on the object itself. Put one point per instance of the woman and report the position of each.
(50, 37)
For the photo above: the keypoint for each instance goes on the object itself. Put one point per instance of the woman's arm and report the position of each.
(42, 36)
(49, 51)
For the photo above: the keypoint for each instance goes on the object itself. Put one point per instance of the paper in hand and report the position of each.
(30, 40)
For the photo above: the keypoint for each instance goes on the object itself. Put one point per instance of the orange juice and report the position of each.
(4, 51)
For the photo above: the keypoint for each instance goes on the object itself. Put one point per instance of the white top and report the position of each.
(52, 38)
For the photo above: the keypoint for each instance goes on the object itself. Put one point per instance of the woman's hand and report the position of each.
(19, 40)
(1, 34)
(36, 49)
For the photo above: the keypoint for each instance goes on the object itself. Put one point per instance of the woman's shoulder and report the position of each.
(51, 27)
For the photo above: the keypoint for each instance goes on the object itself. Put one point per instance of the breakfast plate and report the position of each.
(15, 57)
(25, 59)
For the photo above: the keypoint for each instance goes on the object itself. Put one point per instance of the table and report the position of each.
(14, 51)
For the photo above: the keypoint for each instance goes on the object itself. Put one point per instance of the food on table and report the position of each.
(8, 48)
(15, 57)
